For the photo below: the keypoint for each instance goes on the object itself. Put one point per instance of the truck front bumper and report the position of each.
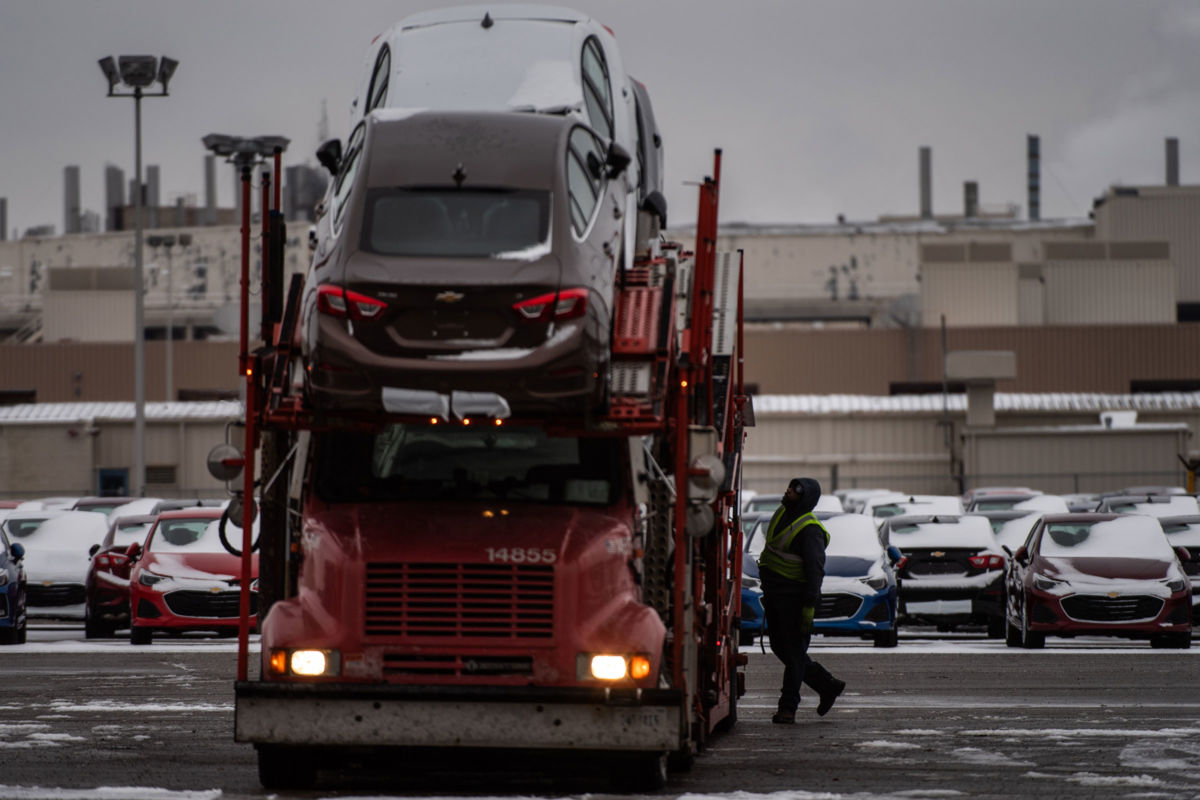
(439, 716)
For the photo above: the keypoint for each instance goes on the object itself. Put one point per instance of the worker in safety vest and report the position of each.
(791, 568)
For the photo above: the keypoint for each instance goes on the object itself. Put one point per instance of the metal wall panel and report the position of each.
(976, 294)
(69, 372)
(1163, 213)
(1109, 292)
(1096, 358)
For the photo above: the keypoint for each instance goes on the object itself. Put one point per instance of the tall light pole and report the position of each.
(136, 73)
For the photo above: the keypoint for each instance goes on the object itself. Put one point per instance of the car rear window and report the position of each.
(455, 223)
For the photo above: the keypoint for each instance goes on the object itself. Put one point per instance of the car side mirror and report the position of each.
(18, 551)
(329, 154)
(93, 549)
(894, 553)
(617, 160)
(1184, 555)
(1021, 556)
(133, 551)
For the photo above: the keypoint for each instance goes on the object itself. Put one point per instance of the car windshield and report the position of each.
(852, 535)
(21, 527)
(456, 223)
(422, 462)
(512, 65)
(171, 535)
(1128, 537)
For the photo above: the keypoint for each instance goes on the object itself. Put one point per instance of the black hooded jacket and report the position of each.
(809, 544)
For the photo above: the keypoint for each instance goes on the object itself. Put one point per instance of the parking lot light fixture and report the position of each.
(138, 73)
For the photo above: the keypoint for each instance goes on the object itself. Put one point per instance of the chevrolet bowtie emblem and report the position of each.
(938, 553)
(1114, 594)
(448, 296)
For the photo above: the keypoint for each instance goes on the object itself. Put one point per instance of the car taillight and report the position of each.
(987, 561)
(337, 301)
(565, 304)
(902, 563)
(110, 560)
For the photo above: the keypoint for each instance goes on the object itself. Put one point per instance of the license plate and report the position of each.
(939, 607)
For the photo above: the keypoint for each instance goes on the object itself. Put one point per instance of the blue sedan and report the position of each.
(859, 594)
(12, 591)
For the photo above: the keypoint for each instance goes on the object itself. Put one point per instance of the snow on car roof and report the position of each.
(1129, 536)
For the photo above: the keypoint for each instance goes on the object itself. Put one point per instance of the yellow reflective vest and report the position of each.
(776, 555)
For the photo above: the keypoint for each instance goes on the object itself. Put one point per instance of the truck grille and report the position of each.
(493, 601)
(1099, 608)
(219, 605)
(838, 605)
(56, 594)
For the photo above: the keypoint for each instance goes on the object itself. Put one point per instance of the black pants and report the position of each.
(789, 643)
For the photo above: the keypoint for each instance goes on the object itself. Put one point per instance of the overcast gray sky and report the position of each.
(820, 105)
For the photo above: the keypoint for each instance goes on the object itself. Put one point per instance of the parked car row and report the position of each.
(169, 569)
(1012, 561)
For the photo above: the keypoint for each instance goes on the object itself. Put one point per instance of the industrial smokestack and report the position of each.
(1172, 161)
(970, 199)
(71, 213)
(1033, 158)
(3, 219)
(926, 183)
(114, 195)
(210, 190)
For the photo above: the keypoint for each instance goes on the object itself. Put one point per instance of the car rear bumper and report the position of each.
(346, 375)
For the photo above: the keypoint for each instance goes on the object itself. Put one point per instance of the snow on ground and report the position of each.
(104, 793)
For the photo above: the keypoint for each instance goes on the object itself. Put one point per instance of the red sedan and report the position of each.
(184, 579)
(1099, 574)
(107, 584)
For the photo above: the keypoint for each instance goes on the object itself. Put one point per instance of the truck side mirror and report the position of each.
(329, 154)
(656, 204)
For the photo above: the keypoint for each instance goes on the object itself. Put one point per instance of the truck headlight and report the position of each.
(309, 663)
(610, 667)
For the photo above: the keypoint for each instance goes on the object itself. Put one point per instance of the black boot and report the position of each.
(830, 695)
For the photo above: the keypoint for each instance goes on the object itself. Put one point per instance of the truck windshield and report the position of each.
(467, 224)
(422, 462)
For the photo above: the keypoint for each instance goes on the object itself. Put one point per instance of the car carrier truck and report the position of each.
(478, 581)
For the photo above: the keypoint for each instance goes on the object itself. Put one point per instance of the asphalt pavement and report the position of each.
(936, 717)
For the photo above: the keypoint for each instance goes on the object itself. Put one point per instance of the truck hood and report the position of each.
(504, 532)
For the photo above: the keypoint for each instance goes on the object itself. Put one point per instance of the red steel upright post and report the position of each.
(248, 466)
(264, 272)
